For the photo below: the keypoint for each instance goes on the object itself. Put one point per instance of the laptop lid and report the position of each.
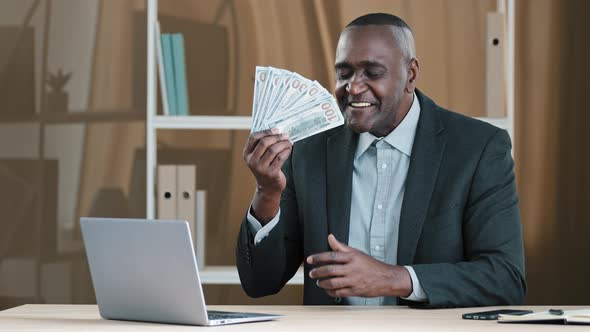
(144, 270)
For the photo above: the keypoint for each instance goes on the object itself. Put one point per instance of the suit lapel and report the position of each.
(427, 152)
(339, 164)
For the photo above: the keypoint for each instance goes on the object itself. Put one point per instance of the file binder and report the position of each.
(185, 192)
(167, 192)
(200, 215)
(495, 76)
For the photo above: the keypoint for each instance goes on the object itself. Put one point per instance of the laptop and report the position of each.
(146, 270)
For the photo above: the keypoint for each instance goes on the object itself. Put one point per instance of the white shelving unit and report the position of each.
(209, 274)
(228, 274)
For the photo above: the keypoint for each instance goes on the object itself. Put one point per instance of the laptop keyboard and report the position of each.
(214, 315)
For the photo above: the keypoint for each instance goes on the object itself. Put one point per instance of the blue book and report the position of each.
(169, 73)
(180, 74)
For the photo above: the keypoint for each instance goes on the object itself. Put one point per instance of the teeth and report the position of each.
(360, 104)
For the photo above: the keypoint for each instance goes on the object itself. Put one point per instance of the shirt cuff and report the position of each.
(257, 229)
(418, 294)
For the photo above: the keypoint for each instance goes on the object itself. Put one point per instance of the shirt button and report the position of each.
(384, 166)
(379, 206)
(376, 247)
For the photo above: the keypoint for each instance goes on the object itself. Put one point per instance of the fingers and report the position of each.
(333, 283)
(279, 160)
(274, 150)
(328, 271)
(330, 257)
(265, 143)
(255, 137)
(337, 245)
(266, 149)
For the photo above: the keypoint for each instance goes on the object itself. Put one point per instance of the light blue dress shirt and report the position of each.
(378, 184)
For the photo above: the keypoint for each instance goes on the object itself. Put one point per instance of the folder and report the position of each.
(185, 192)
(200, 215)
(166, 192)
(182, 107)
(495, 78)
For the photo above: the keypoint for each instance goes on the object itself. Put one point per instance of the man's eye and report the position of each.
(374, 74)
(343, 74)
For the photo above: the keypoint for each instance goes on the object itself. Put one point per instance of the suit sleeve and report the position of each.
(266, 267)
(493, 270)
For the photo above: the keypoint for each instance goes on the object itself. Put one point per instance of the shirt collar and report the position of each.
(401, 138)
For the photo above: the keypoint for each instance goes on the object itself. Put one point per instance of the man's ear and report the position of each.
(413, 73)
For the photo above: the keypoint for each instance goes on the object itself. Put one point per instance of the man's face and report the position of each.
(371, 79)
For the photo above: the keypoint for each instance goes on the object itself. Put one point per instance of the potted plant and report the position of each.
(57, 98)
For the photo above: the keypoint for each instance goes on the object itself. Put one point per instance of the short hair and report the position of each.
(404, 36)
(379, 19)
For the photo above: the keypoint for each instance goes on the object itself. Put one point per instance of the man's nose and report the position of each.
(356, 86)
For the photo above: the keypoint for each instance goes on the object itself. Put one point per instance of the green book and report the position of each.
(180, 74)
(169, 73)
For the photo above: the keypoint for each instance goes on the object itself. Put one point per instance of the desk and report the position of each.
(297, 318)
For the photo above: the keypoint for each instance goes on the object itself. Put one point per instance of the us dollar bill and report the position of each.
(321, 117)
(260, 79)
(292, 103)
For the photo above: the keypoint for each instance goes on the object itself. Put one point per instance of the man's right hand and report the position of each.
(265, 153)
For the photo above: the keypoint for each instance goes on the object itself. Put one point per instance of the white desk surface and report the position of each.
(35, 317)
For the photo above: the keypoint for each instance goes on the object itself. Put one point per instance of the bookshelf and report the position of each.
(209, 274)
(155, 122)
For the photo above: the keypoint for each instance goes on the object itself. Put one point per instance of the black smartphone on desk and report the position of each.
(493, 314)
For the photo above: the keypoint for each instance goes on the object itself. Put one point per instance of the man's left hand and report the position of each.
(347, 271)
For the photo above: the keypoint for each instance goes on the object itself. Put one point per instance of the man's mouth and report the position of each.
(360, 104)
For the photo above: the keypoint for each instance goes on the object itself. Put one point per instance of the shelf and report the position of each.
(244, 122)
(228, 275)
(202, 122)
(76, 117)
(18, 118)
(93, 116)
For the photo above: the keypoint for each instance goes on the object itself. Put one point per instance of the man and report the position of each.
(407, 203)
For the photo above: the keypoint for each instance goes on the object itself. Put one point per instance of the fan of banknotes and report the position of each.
(293, 104)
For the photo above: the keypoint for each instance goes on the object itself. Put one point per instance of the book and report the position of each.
(180, 75)
(161, 71)
(574, 317)
(168, 57)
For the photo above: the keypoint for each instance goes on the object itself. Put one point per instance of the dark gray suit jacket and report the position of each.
(459, 228)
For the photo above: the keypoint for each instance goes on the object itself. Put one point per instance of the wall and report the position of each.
(101, 162)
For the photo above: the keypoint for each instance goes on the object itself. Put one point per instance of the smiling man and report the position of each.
(408, 203)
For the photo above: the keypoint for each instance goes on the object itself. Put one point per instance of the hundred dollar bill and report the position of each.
(319, 118)
(314, 97)
(280, 96)
(297, 87)
(291, 87)
(265, 96)
(275, 88)
(313, 93)
(259, 80)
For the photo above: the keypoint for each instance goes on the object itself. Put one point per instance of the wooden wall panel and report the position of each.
(552, 126)
(450, 45)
